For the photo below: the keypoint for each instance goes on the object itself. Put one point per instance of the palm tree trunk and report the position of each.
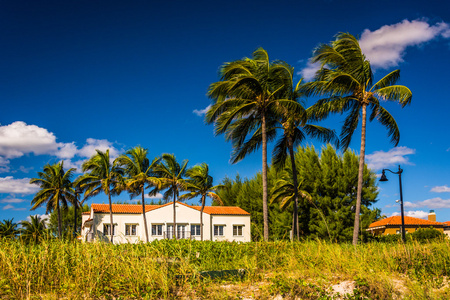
(59, 218)
(360, 174)
(75, 216)
(143, 215)
(174, 216)
(111, 216)
(201, 217)
(295, 225)
(264, 176)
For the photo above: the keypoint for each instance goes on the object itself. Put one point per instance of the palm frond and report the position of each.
(398, 93)
(387, 80)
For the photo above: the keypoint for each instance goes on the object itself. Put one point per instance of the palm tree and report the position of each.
(243, 104)
(284, 192)
(296, 128)
(140, 173)
(8, 229)
(200, 183)
(33, 230)
(346, 78)
(55, 186)
(103, 176)
(76, 191)
(170, 174)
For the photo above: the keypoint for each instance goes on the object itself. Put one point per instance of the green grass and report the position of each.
(170, 269)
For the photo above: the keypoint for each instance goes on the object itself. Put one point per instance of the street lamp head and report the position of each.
(383, 176)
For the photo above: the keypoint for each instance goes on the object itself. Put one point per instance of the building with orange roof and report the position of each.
(392, 225)
(219, 223)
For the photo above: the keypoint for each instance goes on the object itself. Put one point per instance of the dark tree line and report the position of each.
(331, 182)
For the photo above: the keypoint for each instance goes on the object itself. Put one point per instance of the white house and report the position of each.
(219, 223)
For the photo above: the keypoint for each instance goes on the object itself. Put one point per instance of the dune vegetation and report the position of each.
(56, 269)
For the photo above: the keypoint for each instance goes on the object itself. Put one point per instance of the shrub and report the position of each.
(425, 235)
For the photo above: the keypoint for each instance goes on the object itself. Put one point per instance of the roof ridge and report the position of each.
(135, 208)
(396, 220)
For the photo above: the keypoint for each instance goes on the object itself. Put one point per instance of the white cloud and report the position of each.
(201, 112)
(18, 139)
(430, 203)
(67, 151)
(68, 164)
(9, 206)
(92, 144)
(414, 213)
(25, 169)
(157, 196)
(10, 185)
(441, 189)
(43, 217)
(12, 200)
(386, 46)
(309, 71)
(4, 165)
(396, 156)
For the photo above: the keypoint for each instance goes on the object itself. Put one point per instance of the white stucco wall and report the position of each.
(229, 222)
(185, 216)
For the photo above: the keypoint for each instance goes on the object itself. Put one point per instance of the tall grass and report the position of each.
(168, 269)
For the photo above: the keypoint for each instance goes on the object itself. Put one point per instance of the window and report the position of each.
(107, 229)
(130, 229)
(195, 230)
(157, 229)
(218, 230)
(181, 231)
(237, 230)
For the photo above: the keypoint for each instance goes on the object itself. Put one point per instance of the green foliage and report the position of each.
(200, 183)
(425, 235)
(171, 176)
(140, 173)
(171, 269)
(35, 230)
(8, 229)
(346, 78)
(67, 216)
(330, 180)
(55, 189)
(245, 103)
(346, 81)
(421, 235)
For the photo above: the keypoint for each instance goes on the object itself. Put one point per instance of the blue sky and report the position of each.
(81, 75)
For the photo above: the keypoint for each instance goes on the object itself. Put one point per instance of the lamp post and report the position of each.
(384, 178)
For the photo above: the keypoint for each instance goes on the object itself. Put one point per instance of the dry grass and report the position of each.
(171, 269)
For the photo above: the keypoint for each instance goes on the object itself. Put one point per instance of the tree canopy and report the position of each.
(329, 178)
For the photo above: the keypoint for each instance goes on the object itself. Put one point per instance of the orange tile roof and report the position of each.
(123, 208)
(137, 209)
(220, 210)
(397, 220)
(447, 223)
(86, 213)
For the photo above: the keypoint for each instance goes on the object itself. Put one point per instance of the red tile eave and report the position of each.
(137, 209)
(220, 210)
(409, 221)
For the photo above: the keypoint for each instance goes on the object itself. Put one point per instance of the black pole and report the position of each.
(401, 203)
(384, 178)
